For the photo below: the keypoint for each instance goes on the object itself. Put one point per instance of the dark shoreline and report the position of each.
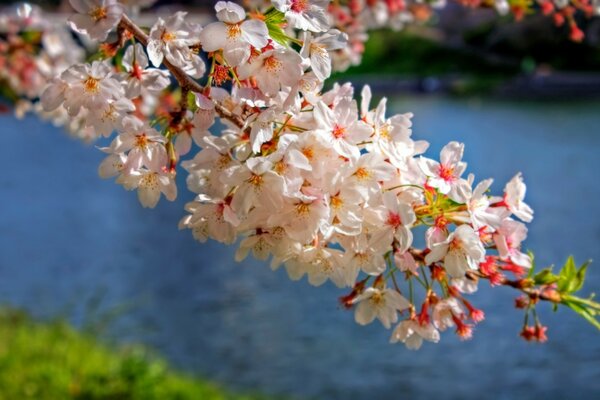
(538, 86)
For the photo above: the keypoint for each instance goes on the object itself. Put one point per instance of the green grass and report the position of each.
(54, 361)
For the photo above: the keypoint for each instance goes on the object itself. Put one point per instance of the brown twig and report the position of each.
(524, 285)
(185, 81)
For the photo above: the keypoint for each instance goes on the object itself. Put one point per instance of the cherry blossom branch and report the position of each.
(527, 286)
(184, 80)
(334, 195)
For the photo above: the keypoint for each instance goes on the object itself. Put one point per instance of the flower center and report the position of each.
(336, 201)
(384, 132)
(393, 219)
(141, 141)
(338, 131)
(446, 173)
(317, 49)
(308, 153)
(233, 31)
(91, 85)
(168, 36)
(455, 245)
(150, 180)
(362, 174)
(256, 180)
(280, 167)
(302, 209)
(272, 64)
(136, 71)
(223, 162)
(220, 74)
(377, 298)
(98, 13)
(300, 5)
(109, 114)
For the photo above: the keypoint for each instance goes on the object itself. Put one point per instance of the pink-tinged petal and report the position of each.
(229, 12)
(320, 63)
(81, 6)
(237, 55)
(452, 153)
(520, 259)
(407, 214)
(429, 166)
(438, 252)
(359, 131)
(255, 32)
(455, 264)
(346, 149)
(324, 116)
(524, 212)
(155, 52)
(414, 342)
(168, 187)
(155, 80)
(268, 84)
(148, 196)
(53, 96)
(366, 96)
(365, 313)
(460, 191)
(435, 235)
(214, 36)
(404, 237)
(501, 245)
(111, 166)
(396, 300)
(405, 262)
(298, 160)
(428, 332)
(183, 143)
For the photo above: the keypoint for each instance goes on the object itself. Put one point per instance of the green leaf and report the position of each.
(274, 16)
(532, 269)
(277, 34)
(545, 277)
(584, 312)
(191, 101)
(274, 19)
(572, 279)
(580, 277)
(567, 273)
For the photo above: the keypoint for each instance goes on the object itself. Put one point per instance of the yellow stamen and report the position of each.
(233, 31)
(91, 85)
(98, 13)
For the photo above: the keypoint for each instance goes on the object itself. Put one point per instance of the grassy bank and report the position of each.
(54, 361)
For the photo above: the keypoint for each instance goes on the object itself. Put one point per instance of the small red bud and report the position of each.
(540, 333)
(521, 302)
(528, 333)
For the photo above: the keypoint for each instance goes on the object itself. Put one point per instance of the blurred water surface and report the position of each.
(67, 236)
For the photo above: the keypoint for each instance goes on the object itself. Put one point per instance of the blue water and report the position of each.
(68, 237)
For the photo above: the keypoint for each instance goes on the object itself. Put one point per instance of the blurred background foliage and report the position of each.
(52, 361)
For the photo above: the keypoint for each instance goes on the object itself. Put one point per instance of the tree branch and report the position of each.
(184, 80)
(524, 285)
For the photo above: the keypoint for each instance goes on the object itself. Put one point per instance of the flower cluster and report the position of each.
(331, 188)
(32, 51)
